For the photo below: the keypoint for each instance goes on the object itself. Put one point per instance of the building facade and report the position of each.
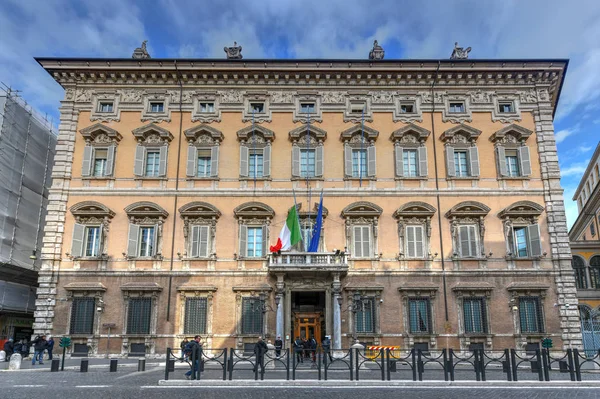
(27, 144)
(585, 245)
(444, 222)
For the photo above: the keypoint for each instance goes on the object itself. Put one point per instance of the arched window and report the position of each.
(595, 272)
(579, 271)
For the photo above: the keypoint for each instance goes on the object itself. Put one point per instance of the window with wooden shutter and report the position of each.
(362, 242)
(473, 161)
(468, 242)
(132, 240)
(243, 240)
(422, 156)
(244, 155)
(347, 160)
(162, 165)
(501, 160)
(214, 161)
(371, 161)
(266, 169)
(399, 156)
(192, 161)
(139, 313)
(82, 315)
(140, 158)
(86, 166)
(319, 161)
(450, 166)
(196, 310)
(93, 241)
(295, 161)
(525, 161)
(110, 160)
(77, 242)
(252, 316)
(534, 243)
(414, 241)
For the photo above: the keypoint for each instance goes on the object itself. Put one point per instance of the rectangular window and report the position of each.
(92, 241)
(157, 107)
(593, 228)
(138, 315)
(147, 240)
(467, 236)
(365, 317)
(252, 316)
(204, 161)
(255, 164)
(255, 242)
(307, 108)
(461, 163)
(506, 107)
(207, 107)
(82, 315)
(257, 108)
(512, 163)
(307, 163)
(152, 163)
(530, 314)
(419, 315)
(474, 314)
(105, 106)
(195, 316)
(521, 242)
(359, 163)
(407, 108)
(457, 107)
(410, 163)
(414, 241)
(357, 108)
(362, 242)
(100, 159)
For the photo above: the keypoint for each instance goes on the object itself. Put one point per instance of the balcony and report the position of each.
(316, 262)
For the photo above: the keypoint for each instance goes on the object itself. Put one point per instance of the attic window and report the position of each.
(105, 106)
(357, 108)
(257, 108)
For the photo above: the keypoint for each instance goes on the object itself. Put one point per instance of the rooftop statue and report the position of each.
(234, 53)
(377, 53)
(141, 52)
(460, 53)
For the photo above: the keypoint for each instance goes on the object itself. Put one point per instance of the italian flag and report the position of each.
(290, 233)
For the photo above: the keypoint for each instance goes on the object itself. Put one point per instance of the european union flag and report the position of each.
(316, 233)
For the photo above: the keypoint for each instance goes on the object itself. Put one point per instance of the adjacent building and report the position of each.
(444, 222)
(585, 244)
(27, 143)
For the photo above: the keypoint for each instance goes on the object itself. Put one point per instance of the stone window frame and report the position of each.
(303, 215)
(512, 137)
(412, 137)
(506, 117)
(203, 137)
(145, 213)
(249, 292)
(415, 213)
(527, 289)
(301, 98)
(206, 117)
(152, 97)
(413, 292)
(362, 213)
(257, 97)
(197, 291)
(94, 290)
(468, 213)
(375, 293)
(354, 138)
(415, 100)
(253, 214)
(464, 290)
(582, 270)
(316, 139)
(91, 213)
(200, 213)
(99, 136)
(351, 101)
(140, 290)
(462, 137)
(255, 137)
(520, 214)
(455, 117)
(105, 96)
(151, 136)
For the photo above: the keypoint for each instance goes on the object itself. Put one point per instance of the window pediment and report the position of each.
(362, 209)
(410, 133)
(316, 134)
(199, 209)
(524, 209)
(203, 135)
(91, 209)
(251, 210)
(512, 133)
(414, 209)
(462, 133)
(468, 209)
(152, 134)
(146, 209)
(355, 133)
(100, 134)
(265, 135)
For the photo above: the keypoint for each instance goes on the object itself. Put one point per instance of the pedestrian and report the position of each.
(9, 348)
(278, 346)
(24, 348)
(50, 346)
(259, 350)
(299, 348)
(326, 344)
(39, 346)
(182, 346)
(312, 346)
(192, 347)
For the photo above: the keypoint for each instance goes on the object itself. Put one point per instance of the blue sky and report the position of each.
(318, 29)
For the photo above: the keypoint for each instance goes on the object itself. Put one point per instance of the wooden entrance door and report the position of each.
(307, 325)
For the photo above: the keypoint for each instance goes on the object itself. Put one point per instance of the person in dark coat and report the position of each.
(278, 346)
(312, 347)
(9, 349)
(260, 349)
(182, 346)
(191, 347)
(299, 348)
(326, 344)
(24, 348)
(39, 346)
(50, 347)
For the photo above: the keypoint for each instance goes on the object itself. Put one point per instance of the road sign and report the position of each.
(547, 343)
(65, 342)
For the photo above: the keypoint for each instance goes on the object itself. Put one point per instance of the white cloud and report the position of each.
(561, 135)
(575, 169)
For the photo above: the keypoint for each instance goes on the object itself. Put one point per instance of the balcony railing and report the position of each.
(308, 259)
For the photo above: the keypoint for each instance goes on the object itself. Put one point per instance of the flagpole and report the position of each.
(308, 188)
(297, 215)
(362, 139)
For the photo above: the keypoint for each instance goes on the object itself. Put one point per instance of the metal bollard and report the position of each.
(113, 365)
(141, 364)
(55, 365)
(84, 365)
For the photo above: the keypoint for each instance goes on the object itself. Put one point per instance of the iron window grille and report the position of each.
(530, 314)
(365, 317)
(419, 310)
(82, 315)
(195, 316)
(475, 315)
(138, 315)
(252, 316)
